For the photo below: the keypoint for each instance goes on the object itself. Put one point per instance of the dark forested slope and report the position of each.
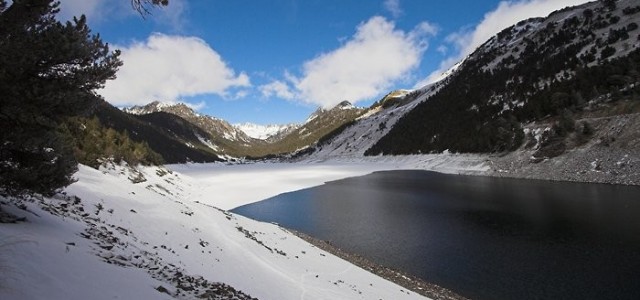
(572, 61)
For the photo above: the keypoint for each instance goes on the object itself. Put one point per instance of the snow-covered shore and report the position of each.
(231, 186)
(154, 234)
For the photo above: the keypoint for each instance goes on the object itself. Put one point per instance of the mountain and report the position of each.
(152, 107)
(220, 129)
(218, 137)
(321, 123)
(266, 132)
(175, 141)
(216, 134)
(554, 67)
(544, 75)
(298, 137)
(353, 138)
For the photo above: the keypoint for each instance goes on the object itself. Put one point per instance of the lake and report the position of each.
(482, 237)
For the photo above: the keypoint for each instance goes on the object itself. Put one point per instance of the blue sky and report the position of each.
(276, 61)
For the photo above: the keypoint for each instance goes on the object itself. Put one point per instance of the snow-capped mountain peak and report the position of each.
(155, 106)
(263, 132)
(344, 105)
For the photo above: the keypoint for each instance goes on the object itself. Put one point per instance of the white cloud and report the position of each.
(239, 94)
(364, 67)
(506, 14)
(393, 7)
(167, 68)
(277, 88)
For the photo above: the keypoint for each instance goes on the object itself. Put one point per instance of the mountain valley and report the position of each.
(531, 87)
(136, 201)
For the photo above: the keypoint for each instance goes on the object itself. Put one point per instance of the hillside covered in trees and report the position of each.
(572, 61)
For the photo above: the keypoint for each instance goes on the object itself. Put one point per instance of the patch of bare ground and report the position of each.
(607, 151)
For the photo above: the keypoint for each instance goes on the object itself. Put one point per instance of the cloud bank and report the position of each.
(506, 14)
(365, 66)
(168, 68)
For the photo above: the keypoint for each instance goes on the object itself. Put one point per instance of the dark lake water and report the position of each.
(484, 238)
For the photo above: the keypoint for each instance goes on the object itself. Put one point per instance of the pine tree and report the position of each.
(48, 72)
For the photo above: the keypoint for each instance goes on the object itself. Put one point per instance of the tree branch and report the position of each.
(143, 7)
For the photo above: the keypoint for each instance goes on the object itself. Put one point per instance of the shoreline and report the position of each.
(400, 278)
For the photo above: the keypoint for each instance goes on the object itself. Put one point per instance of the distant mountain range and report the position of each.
(265, 132)
(539, 76)
(215, 139)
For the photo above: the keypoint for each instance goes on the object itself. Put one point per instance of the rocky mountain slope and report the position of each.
(208, 124)
(610, 155)
(320, 124)
(266, 132)
(538, 93)
(216, 134)
(577, 59)
(221, 138)
(176, 141)
(353, 138)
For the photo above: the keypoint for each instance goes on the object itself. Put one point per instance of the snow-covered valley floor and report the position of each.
(163, 233)
(230, 186)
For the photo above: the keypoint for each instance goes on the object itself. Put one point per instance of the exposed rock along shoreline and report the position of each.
(612, 156)
(400, 278)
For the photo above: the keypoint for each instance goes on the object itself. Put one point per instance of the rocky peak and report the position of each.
(180, 109)
(344, 105)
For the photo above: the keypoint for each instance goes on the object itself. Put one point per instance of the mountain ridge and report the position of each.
(232, 142)
(265, 132)
(532, 71)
